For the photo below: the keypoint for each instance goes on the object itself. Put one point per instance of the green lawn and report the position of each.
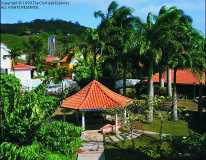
(187, 104)
(128, 150)
(179, 128)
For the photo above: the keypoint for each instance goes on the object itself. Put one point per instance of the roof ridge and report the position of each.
(86, 93)
(100, 86)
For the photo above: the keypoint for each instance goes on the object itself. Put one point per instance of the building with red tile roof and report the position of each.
(185, 77)
(66, 58)
(50, 59)
(22, 66)
(68, 62)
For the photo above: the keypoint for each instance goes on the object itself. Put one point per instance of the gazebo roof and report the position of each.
(95, 96)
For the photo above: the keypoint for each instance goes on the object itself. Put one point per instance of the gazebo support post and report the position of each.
(83, 121)
(64, 117)
(116, 124)
(125, 116)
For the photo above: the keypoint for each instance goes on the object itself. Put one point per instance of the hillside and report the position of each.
(14, 35)
(42, 25)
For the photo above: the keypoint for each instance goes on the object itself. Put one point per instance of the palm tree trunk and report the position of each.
(124, 81)
(200, 109)
(169, 82)
(94, 74)
(150, 94)
(174, 97)
(161, 80)
(12, 66)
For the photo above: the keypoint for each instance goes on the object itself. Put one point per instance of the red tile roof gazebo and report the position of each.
(95, 96)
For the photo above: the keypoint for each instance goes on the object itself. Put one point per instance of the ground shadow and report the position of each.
(196, 121)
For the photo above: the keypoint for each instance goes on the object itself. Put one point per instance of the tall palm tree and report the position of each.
(174, 38)
(33, 47)
(93, 46)
(152, 56)
(117, 30)
(199, 64)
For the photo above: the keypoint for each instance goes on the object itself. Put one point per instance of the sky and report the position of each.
(83, 10)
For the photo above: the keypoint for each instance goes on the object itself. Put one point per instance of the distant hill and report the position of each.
(42, 25)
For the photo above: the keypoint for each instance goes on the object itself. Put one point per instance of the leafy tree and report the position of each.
(173, 34)
(57, 74)
(22, 114)
(15, 52)
(198, 55)
(34, 48)
(83, 70)
(60, 137)
(117, 31)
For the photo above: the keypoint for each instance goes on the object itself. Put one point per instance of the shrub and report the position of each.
(11, 151)
(60, 137)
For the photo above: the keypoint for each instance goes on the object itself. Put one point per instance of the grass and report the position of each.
(16, 41)
(128, 149)
(179, 128)
(187, 104)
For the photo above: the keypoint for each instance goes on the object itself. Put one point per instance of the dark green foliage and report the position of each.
(57, 74)
(59, 137)
(41, 25)
(34, 151)
(11, 151)
(191, 147)
(31, 110)
(10, 90)
(26, 118)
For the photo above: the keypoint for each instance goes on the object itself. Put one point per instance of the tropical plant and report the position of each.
(34, 49)
(60, 137)
(198, 56)
(173, 34)
(14, 53)
(117, 31)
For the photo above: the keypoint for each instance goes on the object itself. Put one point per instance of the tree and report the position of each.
(173, 36)
(117, 31)
(30, 132)
(34, 48)
(14, 53)
(198, 55)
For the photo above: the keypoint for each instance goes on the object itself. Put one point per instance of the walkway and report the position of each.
(121, 137)
(128, 136)
(93, 148)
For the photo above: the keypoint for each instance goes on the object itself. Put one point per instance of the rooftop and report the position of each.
(22, 66)
(95, 96)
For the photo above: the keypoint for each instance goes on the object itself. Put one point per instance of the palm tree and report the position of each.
(33, 47)
(92, 46)
(117, 30)
(174, 38)
(199, 63)
(14, 53)
(152, 56)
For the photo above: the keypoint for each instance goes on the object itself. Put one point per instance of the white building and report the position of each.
(22, 71)
(5, 60)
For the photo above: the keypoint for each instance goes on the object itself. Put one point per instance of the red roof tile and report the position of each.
(183, 77)
(50, 59)
(95, 96)
(66, 59)
(21, 66)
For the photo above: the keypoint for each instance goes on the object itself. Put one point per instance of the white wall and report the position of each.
(5, 60)
(25, 77)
